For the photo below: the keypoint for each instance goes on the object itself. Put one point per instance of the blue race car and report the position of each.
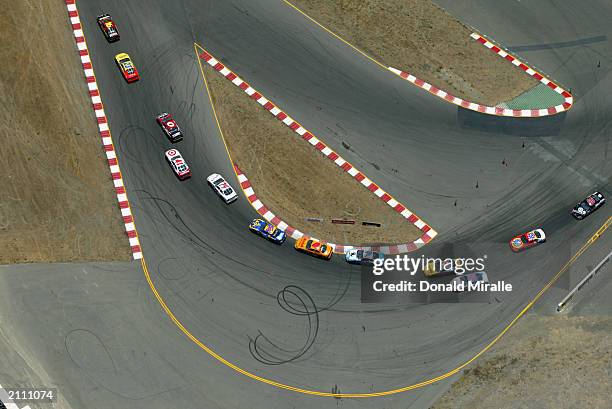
(268, 231)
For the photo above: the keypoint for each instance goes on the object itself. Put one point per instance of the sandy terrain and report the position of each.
(544, 362)
(57, 201)
(296, 181)
(419, 37)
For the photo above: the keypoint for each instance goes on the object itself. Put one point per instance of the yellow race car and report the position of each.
(128, 70)
(314, 248)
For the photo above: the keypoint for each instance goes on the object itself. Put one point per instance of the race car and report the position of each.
(222, 188)
(314, 248)
(268, 231)
(170, 127)
(526, 240)
(363, 257)
(178, 164)
(462, 282)
(128, 70)
(588, 205)
(108, 27)
(444, 267)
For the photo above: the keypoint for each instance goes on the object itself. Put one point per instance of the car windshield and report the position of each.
(218, 181)
(370, 255)
(124, 60)
(315, 245)
(359, 254)
(323, 249)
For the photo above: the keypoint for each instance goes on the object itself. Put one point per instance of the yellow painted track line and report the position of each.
(280, 385)
(195, 49)
(271, 382)
(456, 101)
(381, 65)
(431, 234)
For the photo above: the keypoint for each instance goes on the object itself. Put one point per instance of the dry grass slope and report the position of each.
(294, 180)
(419, 37)
(57, 201)
(544, 362)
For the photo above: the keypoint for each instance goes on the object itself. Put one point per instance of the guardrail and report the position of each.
(341, 221)
(582, 282)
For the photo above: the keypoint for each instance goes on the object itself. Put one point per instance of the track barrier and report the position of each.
(342, 221)
(582, 283)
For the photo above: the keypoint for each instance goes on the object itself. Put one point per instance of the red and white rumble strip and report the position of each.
(338, 248)
(428, 232)
(107, 141)
(567, 104)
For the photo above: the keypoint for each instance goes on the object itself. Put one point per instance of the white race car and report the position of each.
(178, 164)
(222, 188)
(357, 256)
(463, 281)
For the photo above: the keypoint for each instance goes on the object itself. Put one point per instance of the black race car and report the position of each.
(588, 205)
(108, 27)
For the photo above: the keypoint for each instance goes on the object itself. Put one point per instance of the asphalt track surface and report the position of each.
(115, 347)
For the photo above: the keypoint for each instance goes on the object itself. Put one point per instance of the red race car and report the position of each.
(526, 240)
(108, 27)
(170, 127)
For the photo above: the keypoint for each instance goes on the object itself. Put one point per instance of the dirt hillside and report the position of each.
(544, 362)
(419, 37)
(295, 180)
(57, 201)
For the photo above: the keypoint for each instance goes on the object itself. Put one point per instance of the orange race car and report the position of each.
(129, 72)
(314, 248)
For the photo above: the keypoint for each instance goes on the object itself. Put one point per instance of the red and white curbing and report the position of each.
(107, 142)
(267, 214)
(428, 232)
(294, 233)
(567, 104)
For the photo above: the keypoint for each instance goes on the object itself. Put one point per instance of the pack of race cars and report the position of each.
(267, 230)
